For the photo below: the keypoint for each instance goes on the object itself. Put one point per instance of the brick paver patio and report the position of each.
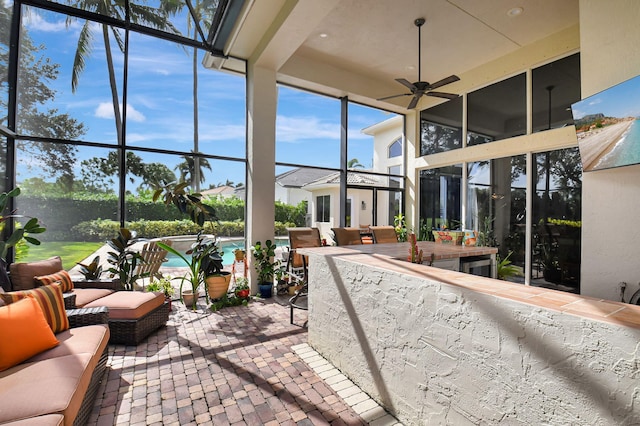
(238, 366)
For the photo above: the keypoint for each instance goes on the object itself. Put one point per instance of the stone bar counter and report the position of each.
(437, 346)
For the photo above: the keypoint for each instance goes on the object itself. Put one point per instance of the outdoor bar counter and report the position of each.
(436, 346)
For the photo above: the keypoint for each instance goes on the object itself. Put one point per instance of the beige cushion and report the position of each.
(58, 384)
(48, 420)
(87, 295)
(129, 304)
(22, 274)
(90, 339)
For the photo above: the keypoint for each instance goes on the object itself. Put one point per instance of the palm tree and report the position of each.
(354, 164)
(192, 170)
(141, 14)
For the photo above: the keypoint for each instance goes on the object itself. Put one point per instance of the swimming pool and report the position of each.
(227, 247)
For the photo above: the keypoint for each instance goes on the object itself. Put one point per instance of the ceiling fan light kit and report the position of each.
(420, 88)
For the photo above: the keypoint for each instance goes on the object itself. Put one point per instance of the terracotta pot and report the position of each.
(218, 285)
(239, 255)
(189, 299)
(293, 289)
(243, 294)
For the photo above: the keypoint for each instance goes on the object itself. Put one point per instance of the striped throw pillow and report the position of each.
(50, 299)
(61, 277)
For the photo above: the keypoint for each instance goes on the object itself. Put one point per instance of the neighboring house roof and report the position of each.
(299, 177)
(352, 179)
(219, 190)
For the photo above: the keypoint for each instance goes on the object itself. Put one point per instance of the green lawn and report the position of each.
(70, 252)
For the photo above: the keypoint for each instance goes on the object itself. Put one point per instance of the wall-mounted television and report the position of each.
(608, 127)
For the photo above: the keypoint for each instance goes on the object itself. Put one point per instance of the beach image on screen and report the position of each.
(607, 127)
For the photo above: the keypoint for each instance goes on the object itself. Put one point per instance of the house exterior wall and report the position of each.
(334, 220)
(292, 196)
(610, 54)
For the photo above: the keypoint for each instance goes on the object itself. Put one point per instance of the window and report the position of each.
(395, 149)
(554, 88)
(557, 215)
(440, 201)
(498, 111)
(441, 127)
(395, 182)
(323, 208)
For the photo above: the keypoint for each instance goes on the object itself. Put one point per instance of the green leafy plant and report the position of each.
(265, 264)
(19, 233)
(17, 237)
(164, 285)
(400, 225)
(91, 271)
(124, 259)
(226, 301)
(506, 269)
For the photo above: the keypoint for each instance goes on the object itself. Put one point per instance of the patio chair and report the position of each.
(384, 234)
(301, 238)
(347, 236)
(152, 256)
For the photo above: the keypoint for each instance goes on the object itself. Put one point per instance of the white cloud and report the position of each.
(105, 110)
(596, 101)
(35, 22)
(291, 129)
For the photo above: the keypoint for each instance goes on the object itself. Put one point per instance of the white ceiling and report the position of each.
(375, 41)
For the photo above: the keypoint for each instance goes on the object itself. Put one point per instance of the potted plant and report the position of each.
(265, 266)
(282, 279)
(205, 259)
(242, 289)
(205, 264)
(91, 271)
(162, 285)
(124, 259)
(16, 237)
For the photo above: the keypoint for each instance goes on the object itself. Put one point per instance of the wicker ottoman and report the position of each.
(133, 315)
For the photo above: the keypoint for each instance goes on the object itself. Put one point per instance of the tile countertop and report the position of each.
(393, 258)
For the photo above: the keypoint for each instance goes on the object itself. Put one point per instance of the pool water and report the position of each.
(227, 247)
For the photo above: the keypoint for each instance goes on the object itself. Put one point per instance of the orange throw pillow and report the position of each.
(24, 332)
(51, 303)
(61, 277)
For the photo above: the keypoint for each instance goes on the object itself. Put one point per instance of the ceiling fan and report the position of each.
(420, 88)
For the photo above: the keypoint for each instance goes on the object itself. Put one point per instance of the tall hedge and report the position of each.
(61, 214)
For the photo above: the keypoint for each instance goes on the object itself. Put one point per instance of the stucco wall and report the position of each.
(610, 54)
(435, 353)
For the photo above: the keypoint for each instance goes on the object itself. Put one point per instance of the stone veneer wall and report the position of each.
(436, 353)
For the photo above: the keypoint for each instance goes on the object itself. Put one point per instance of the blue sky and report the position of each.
(621, 100)
(159, 103)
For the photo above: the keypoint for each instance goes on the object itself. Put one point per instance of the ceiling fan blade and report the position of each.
(413, 102)
(443, 95)
(406, 83)
(444, 81)
(393, 96)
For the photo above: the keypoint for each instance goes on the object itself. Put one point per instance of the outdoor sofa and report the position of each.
(133, 315)
(47, 378)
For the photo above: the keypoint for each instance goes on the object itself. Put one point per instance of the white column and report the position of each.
(262, 99)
